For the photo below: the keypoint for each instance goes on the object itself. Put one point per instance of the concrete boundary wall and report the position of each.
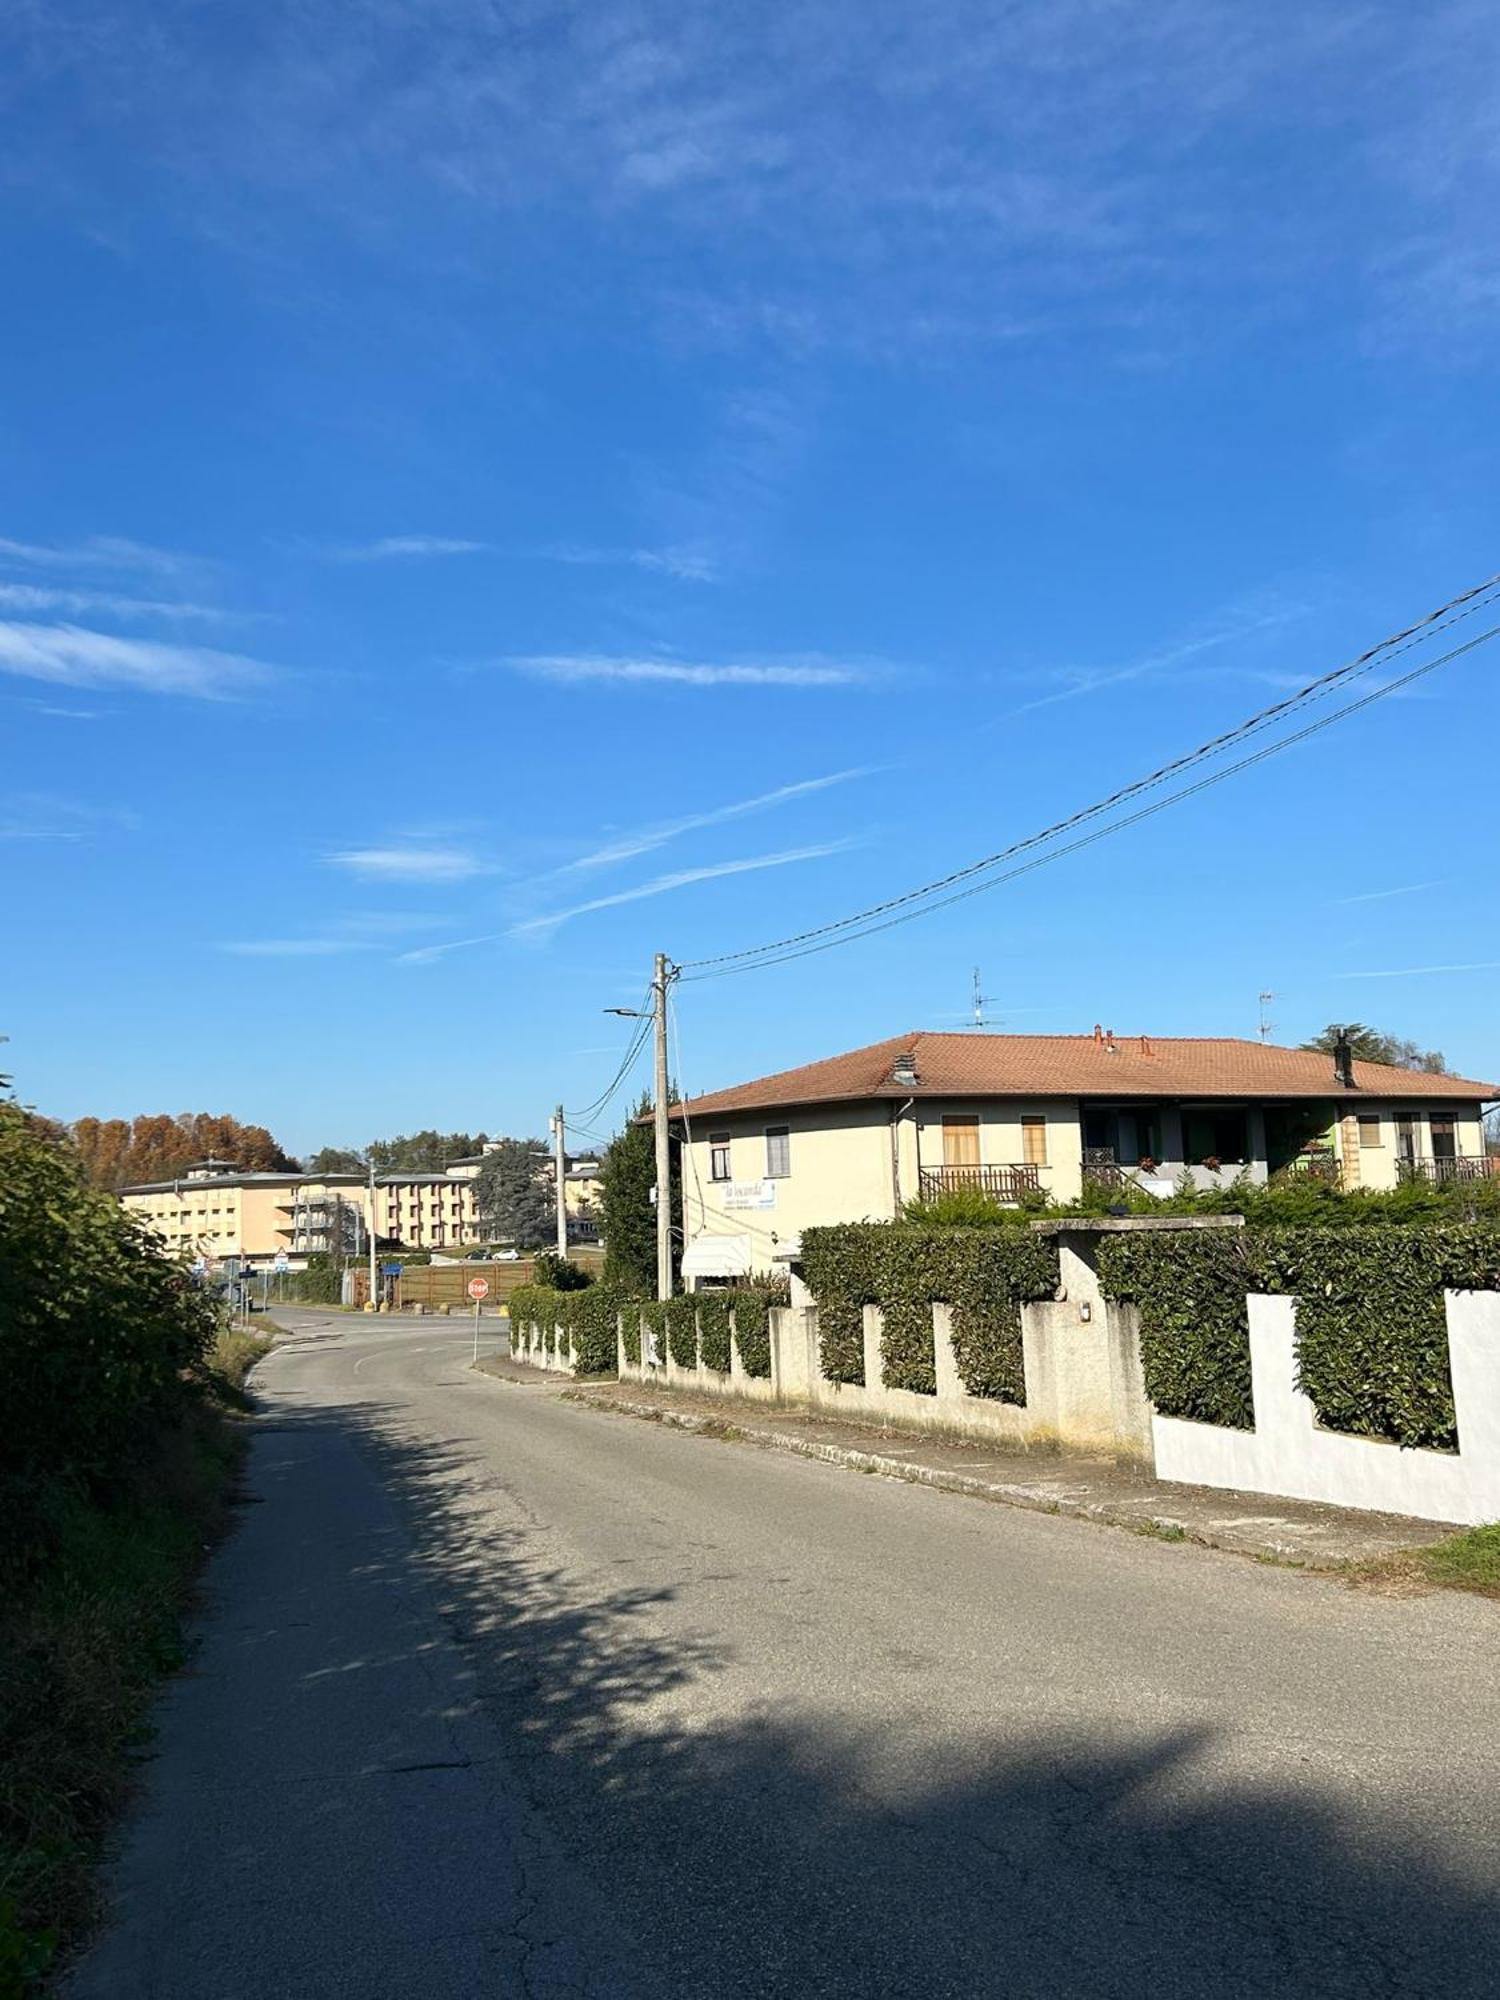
(1290, 1454)
(1082, 1364)
(537, 1346)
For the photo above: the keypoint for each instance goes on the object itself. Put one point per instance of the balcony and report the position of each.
(1004, 1184)
(1315, 1165)
(1443, 1172)
(1101, 1169)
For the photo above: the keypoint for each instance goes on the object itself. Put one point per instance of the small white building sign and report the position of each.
(749, 1194)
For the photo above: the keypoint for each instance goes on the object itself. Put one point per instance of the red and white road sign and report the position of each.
(479, 1288)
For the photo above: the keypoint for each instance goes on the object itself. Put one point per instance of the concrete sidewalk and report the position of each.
(1092, 1488)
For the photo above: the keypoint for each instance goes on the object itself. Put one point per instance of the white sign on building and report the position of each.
(749, 1194)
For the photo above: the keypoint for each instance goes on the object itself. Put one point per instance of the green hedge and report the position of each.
(682, 1330)
(1372, 1342)
(714, 1310)
(1189, 1287)
(1372, 1348)
(752, 1328)
(588, 1316)
(906, 1268)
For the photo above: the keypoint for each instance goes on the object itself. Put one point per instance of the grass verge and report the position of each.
(1466, 1561)
(84, 1646)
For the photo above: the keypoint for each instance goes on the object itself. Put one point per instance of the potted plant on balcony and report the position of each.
(1147, 1164)
(1211, 1162)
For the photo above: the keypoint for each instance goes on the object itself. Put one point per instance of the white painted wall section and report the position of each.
(1288, 1453)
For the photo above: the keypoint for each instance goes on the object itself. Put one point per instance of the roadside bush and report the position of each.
(1372, 1346)
(559, 1274)
(98, 1332)
(682, 1330)
(714, 1310)
(982, 1274)
(320, 1284)
(1189, 1287)
(588, 1316)
(751, 1305)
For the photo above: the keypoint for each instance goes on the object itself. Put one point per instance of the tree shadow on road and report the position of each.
(788, 1854)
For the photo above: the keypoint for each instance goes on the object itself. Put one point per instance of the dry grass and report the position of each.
(84, 1645)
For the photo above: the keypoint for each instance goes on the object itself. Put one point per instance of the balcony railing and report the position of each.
(1000, 1183)
(1101, 1168)
(1444, 1171)
(1316, 1166)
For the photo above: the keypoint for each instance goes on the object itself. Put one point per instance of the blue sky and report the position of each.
(490, 491)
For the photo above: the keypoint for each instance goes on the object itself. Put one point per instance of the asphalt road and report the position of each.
(500, 1695)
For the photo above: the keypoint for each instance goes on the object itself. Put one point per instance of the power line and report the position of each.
(778, 950)
(637, 1043)
(822, 942)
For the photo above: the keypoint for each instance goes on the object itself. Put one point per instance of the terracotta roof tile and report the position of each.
(1130, 1066)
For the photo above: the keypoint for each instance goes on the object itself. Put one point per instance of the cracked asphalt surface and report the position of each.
(497, 1694)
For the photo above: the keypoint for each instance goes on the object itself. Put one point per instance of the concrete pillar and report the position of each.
(874, 1326)
(950, 1386)
(1474, 1359)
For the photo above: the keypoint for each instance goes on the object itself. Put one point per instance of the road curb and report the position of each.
(1159, 1525)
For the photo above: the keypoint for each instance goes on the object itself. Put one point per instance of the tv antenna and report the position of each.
(1266, 1023)
(981, 1001)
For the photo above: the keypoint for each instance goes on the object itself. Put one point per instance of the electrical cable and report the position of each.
(1115, 826)
(1465, 605)
(637, 1043)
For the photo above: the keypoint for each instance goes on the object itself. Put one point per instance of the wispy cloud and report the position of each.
(1078, 682)
(410, 863)
(805, 671)
(1384, 895)
(687, 565)
(45, 597)
(682, 878)
(73, 656)
(629, 846)
(110, 552)
(427, 954)
(42, 816)
(1422, 971)
(393, 547)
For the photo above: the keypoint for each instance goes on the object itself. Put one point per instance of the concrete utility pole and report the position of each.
(559, 1132)
(663, 1143)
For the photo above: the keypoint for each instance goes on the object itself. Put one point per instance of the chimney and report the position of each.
(1343, 1061)
(1146, 1048)
(1098, 1032)
(904, 1070)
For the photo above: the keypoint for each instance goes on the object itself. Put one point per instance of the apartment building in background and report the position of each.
(214, 1211)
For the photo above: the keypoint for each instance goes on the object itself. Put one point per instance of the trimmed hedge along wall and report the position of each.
(1372, 1349)
(589, 1316)
(905, 1269)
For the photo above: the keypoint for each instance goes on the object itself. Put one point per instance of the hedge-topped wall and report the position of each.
(1190, 1288)
(1372, 1347)
(588, 1316)
(984, 1275)
(742, 1313)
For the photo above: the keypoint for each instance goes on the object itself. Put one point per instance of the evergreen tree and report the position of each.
(514, 1199)
(628, 1174)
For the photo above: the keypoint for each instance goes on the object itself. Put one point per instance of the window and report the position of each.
(1034, 1140)
(1444, 1138)
(1369, 1131)
(718, 1156)
(961, 1141)
(778, 1152)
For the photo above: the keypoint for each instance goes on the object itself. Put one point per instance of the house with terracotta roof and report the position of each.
(856, 1135)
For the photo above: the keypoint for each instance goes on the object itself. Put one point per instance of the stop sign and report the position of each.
(479, 1288)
